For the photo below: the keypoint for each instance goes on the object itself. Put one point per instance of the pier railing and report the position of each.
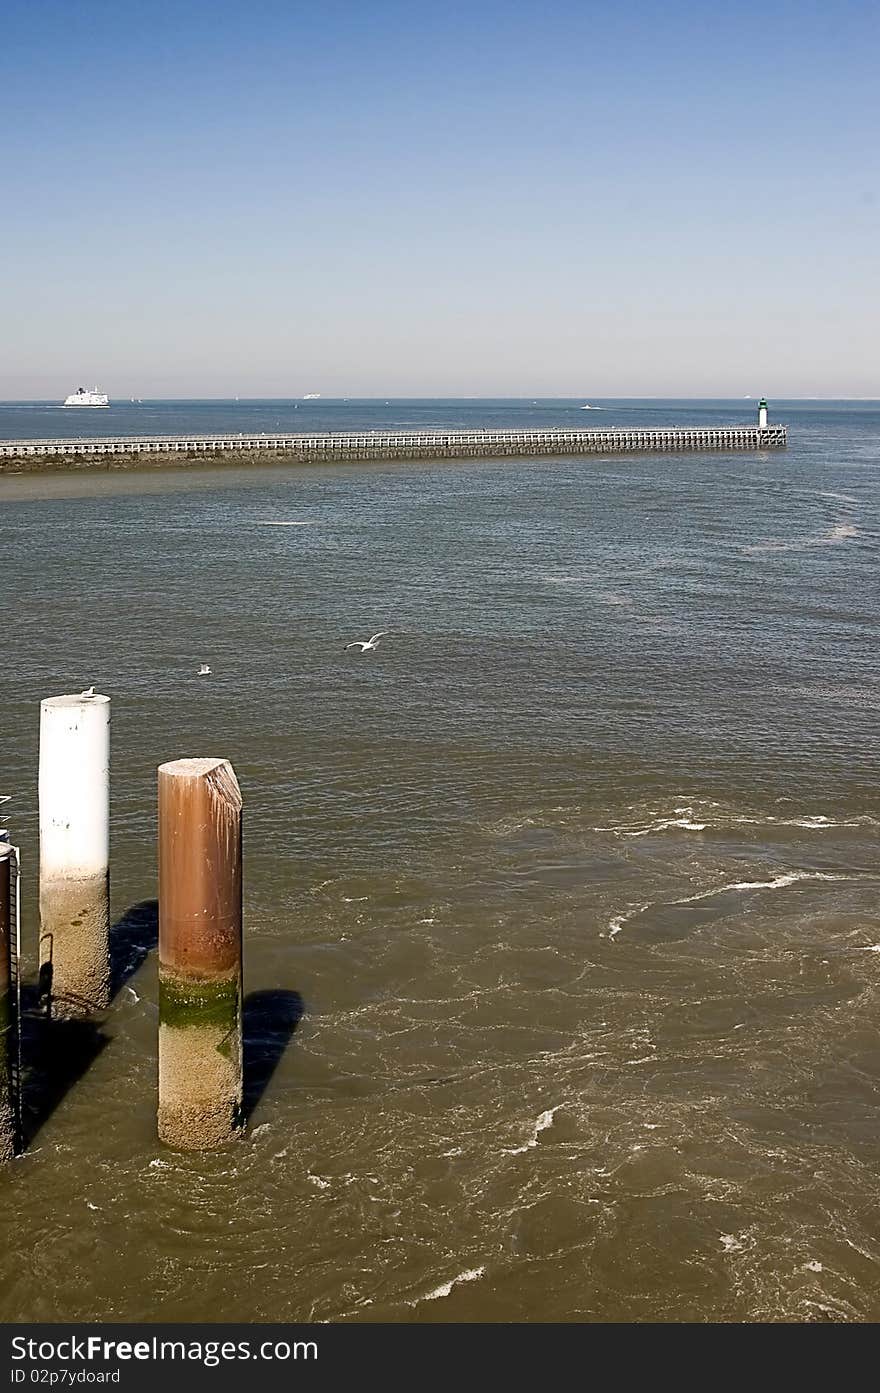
(413, 444)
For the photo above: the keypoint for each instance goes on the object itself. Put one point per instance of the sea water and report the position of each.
(562, 947)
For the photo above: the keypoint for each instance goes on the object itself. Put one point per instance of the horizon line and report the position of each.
(128, 401)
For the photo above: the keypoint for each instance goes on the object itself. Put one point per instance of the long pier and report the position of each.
(382, 445)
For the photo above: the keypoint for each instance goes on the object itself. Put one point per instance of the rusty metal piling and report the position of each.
(200, 952)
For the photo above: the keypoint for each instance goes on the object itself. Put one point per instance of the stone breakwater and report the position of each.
(144, 452)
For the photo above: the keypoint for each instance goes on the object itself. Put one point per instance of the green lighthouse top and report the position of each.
(762, 402)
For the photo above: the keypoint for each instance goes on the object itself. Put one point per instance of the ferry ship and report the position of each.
(83, 397)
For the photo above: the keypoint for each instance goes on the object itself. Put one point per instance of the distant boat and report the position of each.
(311, 396)
(591, 408)
(83, 397)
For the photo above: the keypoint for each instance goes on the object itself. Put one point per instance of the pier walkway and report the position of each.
(378, 445)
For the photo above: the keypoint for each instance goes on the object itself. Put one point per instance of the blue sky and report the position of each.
(382, 199)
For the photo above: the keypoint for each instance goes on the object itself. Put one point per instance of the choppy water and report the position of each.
(576, 877)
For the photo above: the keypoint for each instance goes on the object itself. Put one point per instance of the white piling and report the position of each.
(74, 788)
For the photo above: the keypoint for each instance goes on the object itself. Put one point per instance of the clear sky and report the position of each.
(369, 197)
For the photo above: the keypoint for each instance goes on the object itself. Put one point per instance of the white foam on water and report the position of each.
(473, 1274)
(864, 1251)
(689, 818)
(813, 822)
(730, 1243)
(615, 925)
(813, 1266)
(683, 815)
(842, 532)
(508, 826)
(778, 882)
(664, 823)
(541, 1125)
(817, 821)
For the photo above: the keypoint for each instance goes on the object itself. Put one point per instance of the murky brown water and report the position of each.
(567, 893)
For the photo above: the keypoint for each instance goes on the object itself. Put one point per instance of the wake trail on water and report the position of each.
(778, 882)
(842, 532)
(691, 817)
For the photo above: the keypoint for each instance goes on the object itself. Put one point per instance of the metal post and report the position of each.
(9, 1071)
(75, 854)
(200, 947)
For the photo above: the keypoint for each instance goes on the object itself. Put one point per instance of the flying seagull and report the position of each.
(370, 643)
(89, 692)
(204, 670)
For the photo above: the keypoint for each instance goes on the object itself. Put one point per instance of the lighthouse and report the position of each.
(762, 414)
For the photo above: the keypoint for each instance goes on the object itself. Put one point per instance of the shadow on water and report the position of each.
(57, 1053)
(132, 940)
(269, 1019)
